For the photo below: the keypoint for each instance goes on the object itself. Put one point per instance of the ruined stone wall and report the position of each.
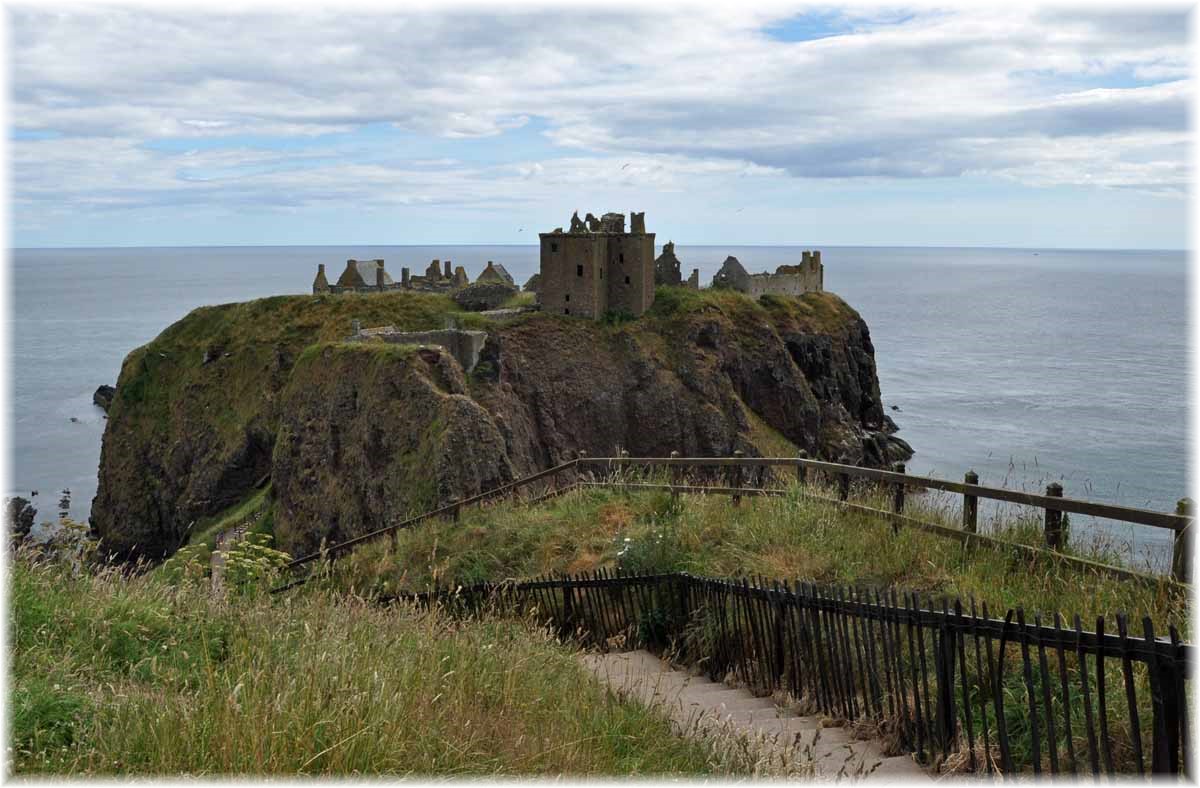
(465, 346)
(572, 269)
(790, 280)
(783, 284)
(631, 272)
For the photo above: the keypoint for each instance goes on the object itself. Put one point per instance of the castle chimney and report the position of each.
(817, 257)
(449, 271)
(379, 274)
(404, 274)
(805, 258)
(321, 269)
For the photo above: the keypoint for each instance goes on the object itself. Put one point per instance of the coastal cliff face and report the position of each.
(353, 437)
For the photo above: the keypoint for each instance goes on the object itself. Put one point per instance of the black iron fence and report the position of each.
(946, 681)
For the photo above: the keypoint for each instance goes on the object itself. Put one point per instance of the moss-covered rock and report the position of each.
(357, 435)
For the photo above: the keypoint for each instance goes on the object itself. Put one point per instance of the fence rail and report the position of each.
(952, 685)
(1053, 503)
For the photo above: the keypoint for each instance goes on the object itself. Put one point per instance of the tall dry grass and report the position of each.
(114, 675)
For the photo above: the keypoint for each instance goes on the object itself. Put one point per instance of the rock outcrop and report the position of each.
(372, 434)
(103, 397)
(354, 436)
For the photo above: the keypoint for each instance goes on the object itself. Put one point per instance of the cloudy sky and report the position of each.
(806, 125)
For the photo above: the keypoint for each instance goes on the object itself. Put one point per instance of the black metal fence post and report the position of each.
(947, 716)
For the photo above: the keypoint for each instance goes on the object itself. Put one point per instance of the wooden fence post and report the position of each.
(1181, 555)
(735, 477)
(970, 505)
(456, 512)
(844, 481)
(801, 470)
(1053, 528)
(674, 470)
(898, 492)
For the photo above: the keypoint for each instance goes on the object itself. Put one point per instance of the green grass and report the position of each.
(520, 300)
(113, 675)
(789, 537)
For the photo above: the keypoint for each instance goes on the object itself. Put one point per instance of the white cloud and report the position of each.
(682, 96)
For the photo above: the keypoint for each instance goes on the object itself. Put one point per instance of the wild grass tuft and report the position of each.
(120, 675)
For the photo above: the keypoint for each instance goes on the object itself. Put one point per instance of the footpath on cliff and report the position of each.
(700, 707)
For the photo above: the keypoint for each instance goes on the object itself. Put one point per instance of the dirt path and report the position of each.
(694, 704)
(225, 541)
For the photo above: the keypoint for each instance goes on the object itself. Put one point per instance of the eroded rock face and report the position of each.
(563, 388)
(370, 436)
(356, 436)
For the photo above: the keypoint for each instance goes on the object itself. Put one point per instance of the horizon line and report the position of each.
(727, 243)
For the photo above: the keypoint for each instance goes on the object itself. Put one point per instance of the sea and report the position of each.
(1025, 365)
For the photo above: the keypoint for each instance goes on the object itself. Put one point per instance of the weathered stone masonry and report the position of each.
(465, 346)
(791, 280)
(597, 267)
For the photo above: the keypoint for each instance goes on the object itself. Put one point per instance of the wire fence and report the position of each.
(944, 680)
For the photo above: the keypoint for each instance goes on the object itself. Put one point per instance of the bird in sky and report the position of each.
(626, 165)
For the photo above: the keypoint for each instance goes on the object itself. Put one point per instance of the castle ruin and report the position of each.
(790, 280)
(667, 270)
(596, 267)
(370, 276)
(464, 346)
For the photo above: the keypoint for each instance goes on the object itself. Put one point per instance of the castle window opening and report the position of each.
(567, 311)
(627, 280)
(579, 270)
(568, 297)
(554, 247)
(621, 257)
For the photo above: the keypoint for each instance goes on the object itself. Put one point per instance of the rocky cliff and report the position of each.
(355, 436)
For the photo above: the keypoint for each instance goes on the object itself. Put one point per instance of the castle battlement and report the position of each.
(596, 267)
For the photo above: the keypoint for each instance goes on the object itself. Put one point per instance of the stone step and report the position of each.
(698, 706)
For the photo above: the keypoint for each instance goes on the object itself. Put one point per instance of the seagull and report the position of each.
(521, 230)
(739, 210)
(626, 165)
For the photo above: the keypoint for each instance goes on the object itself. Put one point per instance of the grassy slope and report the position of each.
(252, 332)
(113, 675)
(788, 537)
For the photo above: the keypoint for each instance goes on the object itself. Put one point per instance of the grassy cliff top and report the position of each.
(232, 353)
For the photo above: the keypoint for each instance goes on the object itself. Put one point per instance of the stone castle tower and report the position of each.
(597, 267)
